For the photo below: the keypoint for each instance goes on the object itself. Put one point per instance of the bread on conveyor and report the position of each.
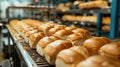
(52, 49)
(70, 28)
(72, 56)
(62, 34)
(27, 34)
(77, 38)
(45, 27)
(83, 31)
(95, 43)
(43, 43)
(55, 29)
(99, 61)
(111, 50)
(34, 38)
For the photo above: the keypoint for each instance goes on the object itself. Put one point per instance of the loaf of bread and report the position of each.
(27, 34)
(55, 29)
(77, 38)
(99, 61)
(62, 7)
(106, 28)
(62, 34)
(43, 43)
(54, 48)
(111, 50)
(45, 27)
(93, 4)
(95, 43)
(106, 20)
(72, 56)
(70, 28)
(34, 38)
(84, 32)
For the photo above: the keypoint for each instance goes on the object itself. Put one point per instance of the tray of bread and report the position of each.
(63, 46)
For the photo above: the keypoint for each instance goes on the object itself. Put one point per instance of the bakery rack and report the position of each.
(22, 54)
(113, 11)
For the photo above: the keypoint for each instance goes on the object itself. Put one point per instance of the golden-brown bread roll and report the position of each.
(72, 56)
(62, 7)
(84, 32)
(106, 28)
(111, 50)
(95, 43)
(27, 34)
(62, 34)
(46, 27)
(106, 20)
(43, 43)
(55, 29)
(34, 38)
(99, 61)
(93, 4)
(54, 48)
(77, 38)
(70, 28)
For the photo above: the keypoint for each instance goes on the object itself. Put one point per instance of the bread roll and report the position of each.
(93, 4)
(43, 43)
(27, 34)
(106, 28)
(70, 28)
(34, 38)
(84, 32)
(55, 29)
(95, 43)
(71, 57)
(99, 61)
(54, 48)
(76, 38)
(46, 27)
(106, 20)
(62, 34)
(111, 50)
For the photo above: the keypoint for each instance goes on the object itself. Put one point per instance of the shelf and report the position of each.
(89, 11)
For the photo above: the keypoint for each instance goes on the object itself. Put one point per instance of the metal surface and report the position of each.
(114, 26)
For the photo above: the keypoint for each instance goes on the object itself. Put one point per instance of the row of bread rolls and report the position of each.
(52, 46)
(93, 4)
(93, 19)
(95, 52)
(33, 33)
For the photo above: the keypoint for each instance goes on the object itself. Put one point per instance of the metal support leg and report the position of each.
(114, 26)
(99, 24)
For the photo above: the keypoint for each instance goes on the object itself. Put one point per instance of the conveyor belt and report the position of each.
(39, 60)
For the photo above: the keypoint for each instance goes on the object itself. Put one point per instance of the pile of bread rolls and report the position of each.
(93, 19)
(93, 4)
(67, 46)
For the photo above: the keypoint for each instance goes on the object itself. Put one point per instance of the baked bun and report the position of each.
(111, 50)
(106, 28)
(27, 34)
(46, 27)
(43, 43)
(77, 38)
(84, 32)
(62, 34)
(52, 49)
(70, 28)
(95, 43)
(72, 56)
(55, 29)
(34, 38)
(99, 61)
